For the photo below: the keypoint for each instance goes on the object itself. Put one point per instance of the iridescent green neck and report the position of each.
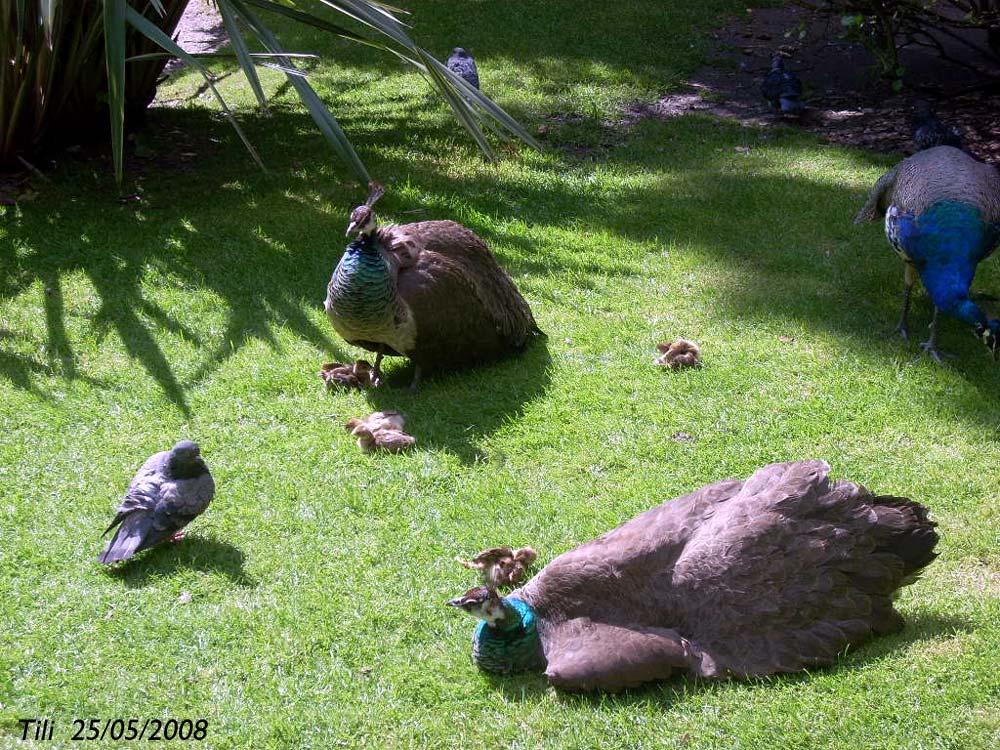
(363, 287)
(513, 645)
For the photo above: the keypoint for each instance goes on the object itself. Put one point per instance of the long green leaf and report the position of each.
(114, 55)
(156, 35)
(242, 52)
(322, 116)
(382, 21)
(478, 99)
(470, 108)
(310, 20)
(465, 113)
(264, 56)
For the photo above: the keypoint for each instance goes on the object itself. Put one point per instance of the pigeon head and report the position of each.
(459, 52)
(483, 603)
(185, 459)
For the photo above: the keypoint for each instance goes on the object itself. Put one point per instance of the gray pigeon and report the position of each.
(461, 64)
(167, 493)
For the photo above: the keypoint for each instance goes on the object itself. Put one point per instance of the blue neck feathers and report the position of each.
(945, 243)
(513, 646)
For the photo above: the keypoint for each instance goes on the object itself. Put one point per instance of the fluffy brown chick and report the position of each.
(501, 566)
(383, 430)
(338, 374)
(678, 354)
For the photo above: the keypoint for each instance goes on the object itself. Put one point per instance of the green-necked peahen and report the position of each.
(431, 291)
(942, 215)
(779, 573)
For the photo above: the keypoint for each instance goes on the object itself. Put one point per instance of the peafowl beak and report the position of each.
(351, 229)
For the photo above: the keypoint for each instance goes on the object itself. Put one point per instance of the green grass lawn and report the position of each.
(317, 579)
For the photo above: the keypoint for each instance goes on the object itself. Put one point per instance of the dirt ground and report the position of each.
(847, 102)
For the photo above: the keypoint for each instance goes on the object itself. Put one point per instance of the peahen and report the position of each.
(431, 291)
(929, 131)
(462, 64)
(170, 490)
(942, 215)
(782, 89)
(777, 573)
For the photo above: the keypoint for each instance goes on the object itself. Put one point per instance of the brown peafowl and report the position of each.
(431, 291)
(778, 573)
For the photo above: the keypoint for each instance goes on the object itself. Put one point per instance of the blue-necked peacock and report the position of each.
(431, 291)
(942, 215)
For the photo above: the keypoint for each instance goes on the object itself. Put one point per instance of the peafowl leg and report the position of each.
(377, 370)
(175, 538)
(930, 345)
(415, 383)
(909, 277)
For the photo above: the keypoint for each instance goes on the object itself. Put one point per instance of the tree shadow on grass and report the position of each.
(924, 626)
(264, 244)
(191, 553)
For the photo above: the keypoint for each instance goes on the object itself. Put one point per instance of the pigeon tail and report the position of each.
(127, 540)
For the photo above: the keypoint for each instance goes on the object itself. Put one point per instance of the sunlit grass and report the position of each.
(318, 577)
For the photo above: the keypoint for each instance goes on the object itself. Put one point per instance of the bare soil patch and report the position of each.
(848, 102)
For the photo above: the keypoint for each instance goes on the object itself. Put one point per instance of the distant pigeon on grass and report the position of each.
(783, 89)
(461, 64)
(929, 131)
(170, 490)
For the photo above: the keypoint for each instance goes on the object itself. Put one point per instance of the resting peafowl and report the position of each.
(463, 65)
(941, 209)
(929, 131)
(783, 89)
(779, 573)
(431, 291)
